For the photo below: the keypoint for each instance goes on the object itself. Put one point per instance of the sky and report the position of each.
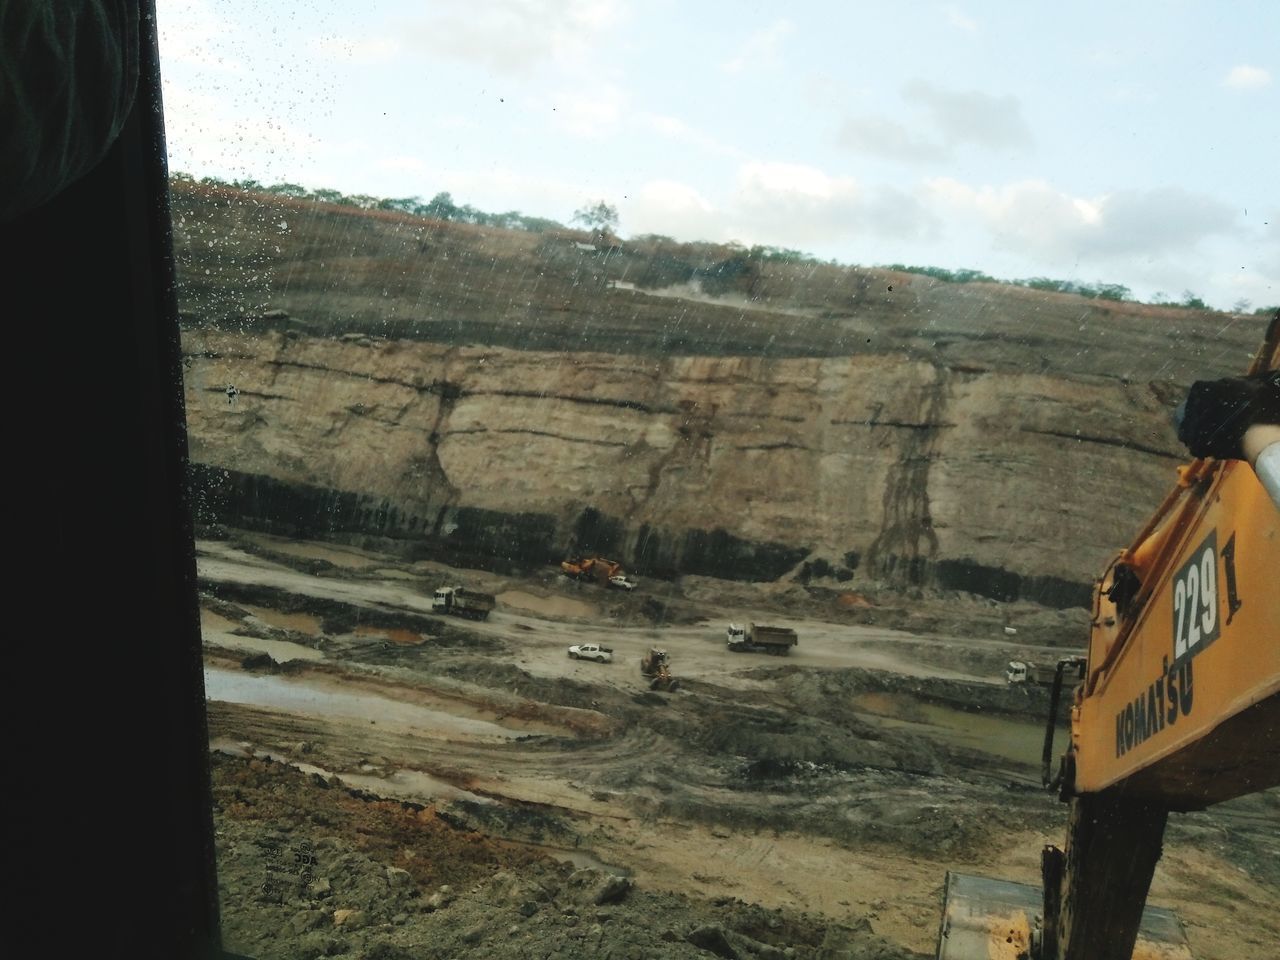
(1132, 143)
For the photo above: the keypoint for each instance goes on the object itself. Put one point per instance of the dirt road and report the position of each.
(541, 641)
(832, 788)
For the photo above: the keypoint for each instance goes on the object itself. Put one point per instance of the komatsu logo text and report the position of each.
(1196, 624)
(1160, 706)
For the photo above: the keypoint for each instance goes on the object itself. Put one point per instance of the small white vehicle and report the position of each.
(591, 651)
(622, 583)
(1020, 671)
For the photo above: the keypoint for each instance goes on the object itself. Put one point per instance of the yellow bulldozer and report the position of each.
(656, 666)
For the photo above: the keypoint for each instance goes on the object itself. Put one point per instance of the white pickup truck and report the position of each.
(591, 651)
(622, 583)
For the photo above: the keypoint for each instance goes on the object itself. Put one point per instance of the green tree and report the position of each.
(441, 206)
(599, 217)
(401, 204)
(1114, 291)
(293, 190)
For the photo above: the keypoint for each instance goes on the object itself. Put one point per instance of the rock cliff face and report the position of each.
(504, 398)
(884, 465)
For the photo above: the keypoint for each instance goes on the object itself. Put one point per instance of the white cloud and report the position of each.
(795, 180)
(970, 116)
(191, 32)
(673, 209)
(1246, 77)
(780, 204)
(1037, 219)
(590, 113)
(673, 128)
(364, 50)
(1258, 286)
(800, 205)
(882, 137)
(403, 163)
(515, 37)
(206, 134)
(957, 19)
(760, 49)
(952, 118)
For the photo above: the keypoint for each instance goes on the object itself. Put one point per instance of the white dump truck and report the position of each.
(462, 602)
(756, 637)
(1022, 671)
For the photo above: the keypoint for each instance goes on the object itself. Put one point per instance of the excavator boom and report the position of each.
(1179, 709)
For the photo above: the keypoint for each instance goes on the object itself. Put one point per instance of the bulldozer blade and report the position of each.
(988, 919)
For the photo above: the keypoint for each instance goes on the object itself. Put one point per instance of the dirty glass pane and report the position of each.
(649, 459)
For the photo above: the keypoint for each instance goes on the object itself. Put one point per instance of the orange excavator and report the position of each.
(1178, 704)
(591, 568)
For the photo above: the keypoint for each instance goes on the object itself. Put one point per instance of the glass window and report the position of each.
(650, 459)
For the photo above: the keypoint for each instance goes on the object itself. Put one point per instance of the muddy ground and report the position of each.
(390, 783)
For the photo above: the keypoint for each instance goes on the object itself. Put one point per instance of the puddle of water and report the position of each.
(214, 622)
(388, 573)
(412, 785)
(234, 748)
(315, 551)
(401, 785)
(420, 787)
(582, 859)
(547, 606)
(895, 705)
(278, 650)
(293, 696)
(394, 634)
(1019, 740)
(302, 622)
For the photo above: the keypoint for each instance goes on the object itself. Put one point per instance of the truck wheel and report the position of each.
(572, 655)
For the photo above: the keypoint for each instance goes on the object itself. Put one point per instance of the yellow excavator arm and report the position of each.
(1179, 708)
(1180, 702)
